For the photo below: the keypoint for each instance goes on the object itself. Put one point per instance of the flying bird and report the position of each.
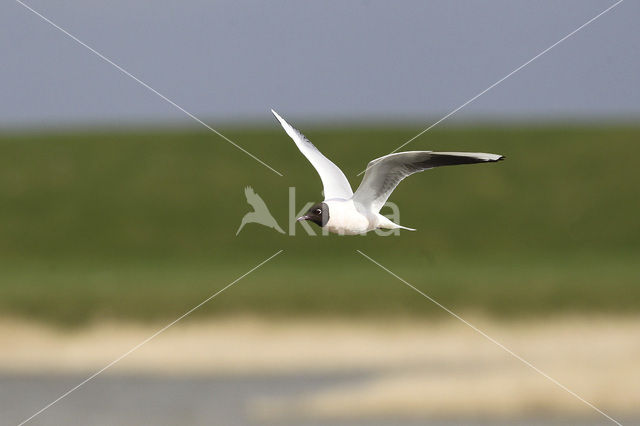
(347, 213)
(260, 213)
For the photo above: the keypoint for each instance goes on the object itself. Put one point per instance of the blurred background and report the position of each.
(119, 212)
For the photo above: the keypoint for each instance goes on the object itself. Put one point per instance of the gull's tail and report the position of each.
(386, 223)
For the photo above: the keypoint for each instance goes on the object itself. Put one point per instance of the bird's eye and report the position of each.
(318, 211)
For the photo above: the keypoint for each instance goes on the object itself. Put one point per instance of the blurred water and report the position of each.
(127, 400)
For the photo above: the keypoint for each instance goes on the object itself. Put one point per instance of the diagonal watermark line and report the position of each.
(494, 341)
(503, 79)
(136, 347)
(128, 74)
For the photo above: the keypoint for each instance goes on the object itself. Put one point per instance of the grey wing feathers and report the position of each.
(385, 173)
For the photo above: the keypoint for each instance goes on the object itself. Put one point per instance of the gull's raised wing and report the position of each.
(335, 183)
(385, 173)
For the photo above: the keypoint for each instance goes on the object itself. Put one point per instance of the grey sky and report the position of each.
(317, 61)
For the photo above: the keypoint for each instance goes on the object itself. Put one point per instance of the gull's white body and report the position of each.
(347, 218)
(356, 213)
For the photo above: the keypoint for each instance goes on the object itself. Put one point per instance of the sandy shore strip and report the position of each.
(421, 367)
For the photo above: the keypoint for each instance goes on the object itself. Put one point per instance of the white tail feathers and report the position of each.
(385, 223)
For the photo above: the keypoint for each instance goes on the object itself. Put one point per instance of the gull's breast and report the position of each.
(345, 219)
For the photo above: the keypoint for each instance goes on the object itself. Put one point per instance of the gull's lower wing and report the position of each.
(385, 173)
(335, 183)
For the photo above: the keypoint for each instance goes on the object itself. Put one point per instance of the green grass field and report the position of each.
(141, 225)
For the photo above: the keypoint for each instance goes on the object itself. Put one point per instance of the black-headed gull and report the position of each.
(347, 213)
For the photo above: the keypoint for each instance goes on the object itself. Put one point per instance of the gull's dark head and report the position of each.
(318, 214)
